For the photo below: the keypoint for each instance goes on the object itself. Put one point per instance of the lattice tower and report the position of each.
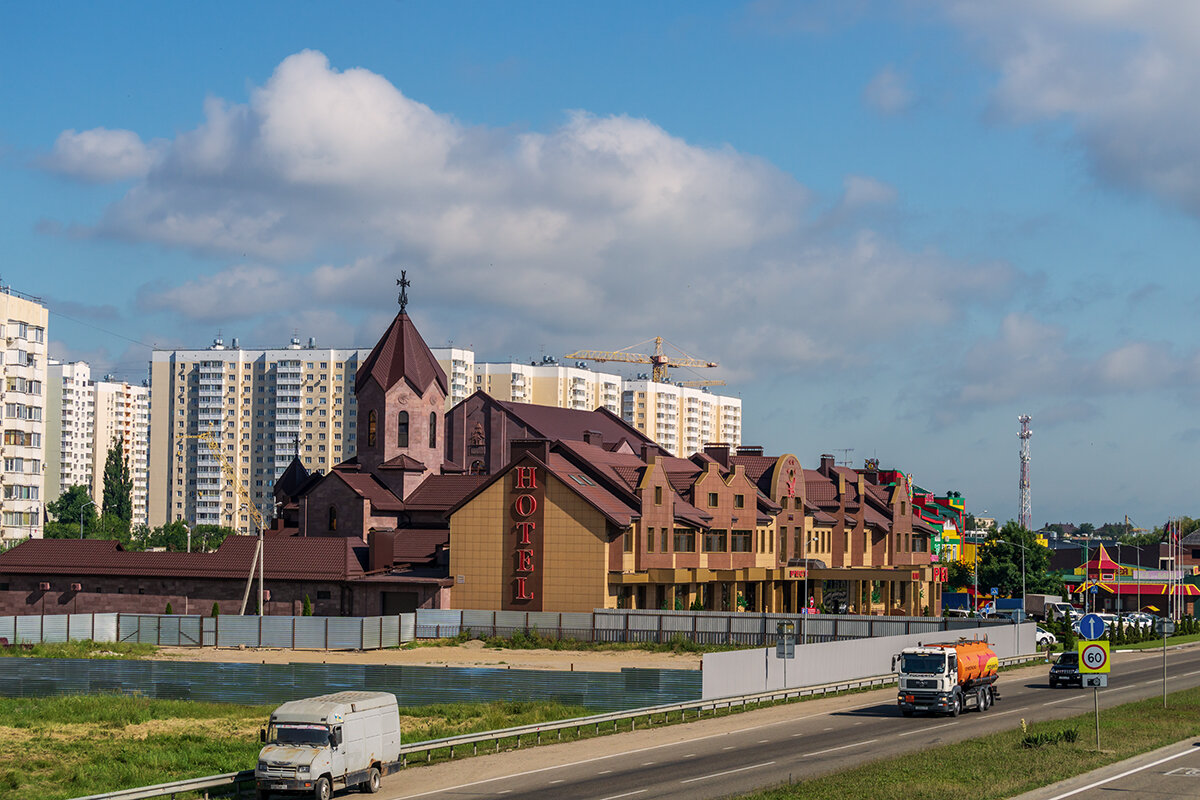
(1026, 516)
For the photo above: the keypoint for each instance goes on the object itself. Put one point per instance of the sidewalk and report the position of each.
(1087, 784)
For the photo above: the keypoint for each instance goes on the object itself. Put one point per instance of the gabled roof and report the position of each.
(284, 558)
(569, 424)
(293, 479)
(442, 492)
(402, 355)
(369, 487)
(404, 462)
(418, 545)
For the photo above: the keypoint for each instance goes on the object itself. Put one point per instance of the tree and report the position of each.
(67, 510)
(306, 609)
(110, 526)
(118, 484)
(1000, 563)
(959, 575)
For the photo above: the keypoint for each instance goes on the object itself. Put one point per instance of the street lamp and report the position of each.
(81, 508)
(1018, 544)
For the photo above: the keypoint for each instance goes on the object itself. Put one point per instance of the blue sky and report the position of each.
(897, 226)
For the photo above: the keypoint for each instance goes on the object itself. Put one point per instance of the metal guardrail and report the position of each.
(232, 779)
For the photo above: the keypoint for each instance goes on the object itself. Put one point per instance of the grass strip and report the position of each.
(1002, 765)
(80, 649)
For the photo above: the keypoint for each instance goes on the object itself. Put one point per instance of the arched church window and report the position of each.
(477, 467)
(433, 429)
(371, 423)
(332, 518)
(402, 429)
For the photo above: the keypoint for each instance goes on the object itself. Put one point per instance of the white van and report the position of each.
(341, 739)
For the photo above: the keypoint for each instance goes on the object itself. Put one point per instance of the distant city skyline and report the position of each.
(896, 226)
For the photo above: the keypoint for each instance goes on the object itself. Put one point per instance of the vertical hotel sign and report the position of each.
(523, 547)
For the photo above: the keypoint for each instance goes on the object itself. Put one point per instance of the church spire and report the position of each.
(403, 283)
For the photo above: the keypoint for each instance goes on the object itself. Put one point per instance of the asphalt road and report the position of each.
(740, 753)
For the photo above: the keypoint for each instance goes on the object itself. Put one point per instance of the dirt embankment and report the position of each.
(468, 654)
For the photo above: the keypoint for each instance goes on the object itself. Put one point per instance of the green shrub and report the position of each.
(216, 610)
(170, 610)
(306, 608)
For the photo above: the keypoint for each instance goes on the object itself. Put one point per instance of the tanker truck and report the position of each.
(947, 677)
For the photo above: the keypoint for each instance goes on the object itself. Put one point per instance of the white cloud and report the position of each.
(1124, 73)
(597, 233)
(99, 155)
(888, 92)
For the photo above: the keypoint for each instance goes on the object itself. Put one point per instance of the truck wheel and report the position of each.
(981, 700)
(955, 707)
(371, 784)
(321, 789)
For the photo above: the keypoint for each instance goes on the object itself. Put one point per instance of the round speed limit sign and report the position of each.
(1093, 657)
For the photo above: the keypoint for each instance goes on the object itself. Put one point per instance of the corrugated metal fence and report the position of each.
(270, 684)
(370, 633)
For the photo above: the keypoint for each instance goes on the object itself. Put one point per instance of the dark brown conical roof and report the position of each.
(402, 354)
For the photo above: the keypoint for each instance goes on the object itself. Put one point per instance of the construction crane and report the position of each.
(214, 447)
(659, 359)
(698, 384)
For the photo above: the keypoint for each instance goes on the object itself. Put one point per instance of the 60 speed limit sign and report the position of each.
(1093, 657)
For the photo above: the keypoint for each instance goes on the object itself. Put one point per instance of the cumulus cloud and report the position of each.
(596, 233)
(888, 92)
(1124, 74)
(99, 155)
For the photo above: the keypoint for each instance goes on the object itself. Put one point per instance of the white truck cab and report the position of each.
(342, 739)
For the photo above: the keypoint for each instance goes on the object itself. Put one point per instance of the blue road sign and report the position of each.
(1094, 590)
(995, 591)
(1092, 627)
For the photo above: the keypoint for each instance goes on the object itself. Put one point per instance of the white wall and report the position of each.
(749, 671)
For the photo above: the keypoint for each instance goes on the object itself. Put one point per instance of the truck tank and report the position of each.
(976, 660)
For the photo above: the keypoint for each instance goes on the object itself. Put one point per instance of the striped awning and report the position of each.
(1143, 589)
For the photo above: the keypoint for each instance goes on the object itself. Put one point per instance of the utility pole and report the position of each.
(1026, 517)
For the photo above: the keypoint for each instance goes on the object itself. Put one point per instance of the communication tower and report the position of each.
(1026, 517)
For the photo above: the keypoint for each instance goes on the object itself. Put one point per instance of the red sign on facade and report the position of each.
(523, 577)
(798, 573)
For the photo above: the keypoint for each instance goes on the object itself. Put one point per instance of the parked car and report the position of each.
(1140, 619)
(1044, 638)
(1065, 670)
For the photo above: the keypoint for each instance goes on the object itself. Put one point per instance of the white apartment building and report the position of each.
(23, 328)
(70, 428)
(550, 384)
(459, 365)
(262, 405)
(122, 412)
(680, 418)
(85, 418)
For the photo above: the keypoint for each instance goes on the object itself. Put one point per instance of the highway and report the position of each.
(740, 753)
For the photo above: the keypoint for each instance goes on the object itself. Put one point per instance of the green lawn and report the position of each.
(1000, 765)
(80, 649)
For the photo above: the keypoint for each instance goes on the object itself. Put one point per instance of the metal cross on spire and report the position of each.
(403, 283)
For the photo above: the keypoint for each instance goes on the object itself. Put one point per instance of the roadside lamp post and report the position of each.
(81, 508)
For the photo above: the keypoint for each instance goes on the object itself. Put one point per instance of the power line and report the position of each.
(102, 330)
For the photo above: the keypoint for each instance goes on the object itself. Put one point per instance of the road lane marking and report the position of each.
(827, 729)
(732, 746)
(648, 763)
(727, 772)
(1056, 702)
(764, 741)
(934, 728)
(627, 794)
(1124, 774)
(559, 780)
(604, 772)
(690, 755)
(835, 749)
(794, 735)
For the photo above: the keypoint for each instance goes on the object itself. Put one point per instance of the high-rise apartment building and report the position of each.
(70, 428)
(23, 328)
(682, 419)
(459, 366)
(85, 418)
(263, 406)
(550, 384)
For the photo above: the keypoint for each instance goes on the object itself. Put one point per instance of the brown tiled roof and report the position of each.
(293, 479)
(404, 462)
(402, 355)
(417, 545)
(620, 512)
(367, 486)
(568, 424)
(877, 519)
(441, 492)
(755, 466)
(819, 491)
(823, 518)
(686, 512)
(285, 558)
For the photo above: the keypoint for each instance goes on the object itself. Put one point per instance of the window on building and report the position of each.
(663, 539)
(740, 542)
(739, 501)
(658, 495)
(433, 429)
(715, 541)
(685, 540)
(712, 499)
(628, 540)
(650, 540)
(332, 518)
(402, 429)
(371, 423)
(323, 594)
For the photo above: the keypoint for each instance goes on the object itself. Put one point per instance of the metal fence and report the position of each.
(271, 684)
(370, 633)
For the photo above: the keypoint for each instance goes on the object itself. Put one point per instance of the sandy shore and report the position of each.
(469, 654)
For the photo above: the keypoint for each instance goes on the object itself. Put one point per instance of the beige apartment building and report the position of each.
(682, 419)
(459, 366)
(550, 384)
(85, 418)
(262, 406)
(23, 322)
